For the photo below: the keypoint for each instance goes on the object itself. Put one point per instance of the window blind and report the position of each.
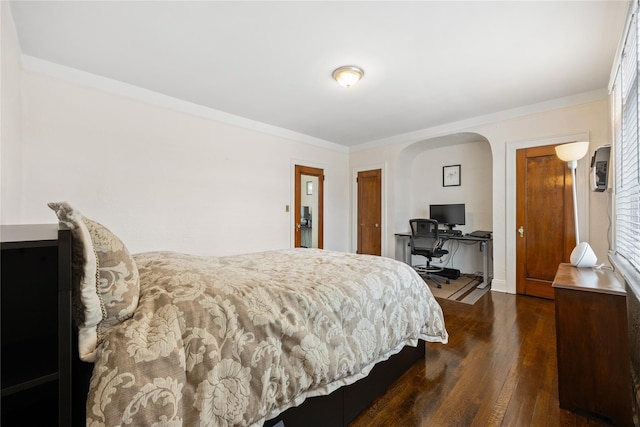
(627, 182)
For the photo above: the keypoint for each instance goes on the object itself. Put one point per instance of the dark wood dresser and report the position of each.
(593, 343)
(35, 325)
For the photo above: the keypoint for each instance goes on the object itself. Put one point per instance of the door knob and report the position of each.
(377, 225)
(298, 226)
(521, 231)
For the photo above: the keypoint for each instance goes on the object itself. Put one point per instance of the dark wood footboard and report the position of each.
(336, 409)
(344, 404)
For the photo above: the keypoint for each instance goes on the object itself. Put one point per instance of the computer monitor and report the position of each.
(305, 212)
(305, 216)
(449, 215)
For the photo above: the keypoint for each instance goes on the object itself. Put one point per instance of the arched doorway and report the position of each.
(419, 183)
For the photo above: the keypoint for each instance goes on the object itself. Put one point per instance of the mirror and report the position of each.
(308, 210)
(308, 215)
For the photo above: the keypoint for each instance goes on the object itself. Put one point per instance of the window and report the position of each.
(627, 171)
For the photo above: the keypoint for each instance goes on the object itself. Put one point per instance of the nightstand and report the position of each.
(35, 323)
(592, 343)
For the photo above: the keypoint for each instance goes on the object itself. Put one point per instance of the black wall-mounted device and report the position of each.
(600, 168)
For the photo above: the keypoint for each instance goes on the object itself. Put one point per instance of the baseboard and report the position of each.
(500, 285)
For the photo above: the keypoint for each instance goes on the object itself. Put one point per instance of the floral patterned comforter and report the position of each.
(226, 341)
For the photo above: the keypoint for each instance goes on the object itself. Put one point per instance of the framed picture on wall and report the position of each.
(451, 176)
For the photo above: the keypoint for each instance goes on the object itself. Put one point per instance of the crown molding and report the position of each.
(86, 79)
(83, 78)
(468, 125)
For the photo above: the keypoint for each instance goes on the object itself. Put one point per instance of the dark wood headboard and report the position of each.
(74, 374)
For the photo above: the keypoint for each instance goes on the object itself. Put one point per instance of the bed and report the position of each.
(178, 339)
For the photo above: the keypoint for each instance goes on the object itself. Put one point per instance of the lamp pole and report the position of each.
(582, 255)
(573, 164)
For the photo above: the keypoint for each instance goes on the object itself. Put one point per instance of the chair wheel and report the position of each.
(447, 282)
(439, 286)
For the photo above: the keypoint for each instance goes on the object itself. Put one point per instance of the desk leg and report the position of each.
(485, 265)
(404, 250)
(407, 254)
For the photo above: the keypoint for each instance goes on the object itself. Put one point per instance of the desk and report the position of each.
(486, 247)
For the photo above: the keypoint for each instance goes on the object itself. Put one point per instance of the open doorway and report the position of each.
(420, 174)
(309, 210)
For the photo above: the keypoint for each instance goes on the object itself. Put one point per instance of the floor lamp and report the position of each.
(582, 255)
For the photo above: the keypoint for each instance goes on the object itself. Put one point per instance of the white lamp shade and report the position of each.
(583, 256)
(572, 151)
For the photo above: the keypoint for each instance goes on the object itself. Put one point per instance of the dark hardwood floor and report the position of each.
(498, 369)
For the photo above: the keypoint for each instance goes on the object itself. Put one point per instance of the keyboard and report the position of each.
(481, 233)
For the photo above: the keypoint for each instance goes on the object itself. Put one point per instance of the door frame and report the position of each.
(383, 208)
(305, 169)
(582, 179)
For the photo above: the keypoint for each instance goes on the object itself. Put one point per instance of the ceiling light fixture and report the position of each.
(348, 75)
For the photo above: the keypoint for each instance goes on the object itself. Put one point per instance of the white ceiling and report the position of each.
(426, 63)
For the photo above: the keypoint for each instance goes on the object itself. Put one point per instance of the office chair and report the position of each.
(425, 241)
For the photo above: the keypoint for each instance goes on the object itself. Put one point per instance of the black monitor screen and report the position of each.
(448, 214)
(305, 213)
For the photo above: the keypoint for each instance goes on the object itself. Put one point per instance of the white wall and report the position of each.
(163, 179)
(560, 124)
(10, 120)
(475, 191)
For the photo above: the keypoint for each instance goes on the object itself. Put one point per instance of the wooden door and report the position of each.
(370, 212)
(545, 233)
(317, 222)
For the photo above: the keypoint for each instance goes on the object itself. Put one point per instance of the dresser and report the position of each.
(35, 340)
(593, 343)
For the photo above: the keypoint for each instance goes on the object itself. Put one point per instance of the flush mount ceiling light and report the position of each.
(348, 75)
